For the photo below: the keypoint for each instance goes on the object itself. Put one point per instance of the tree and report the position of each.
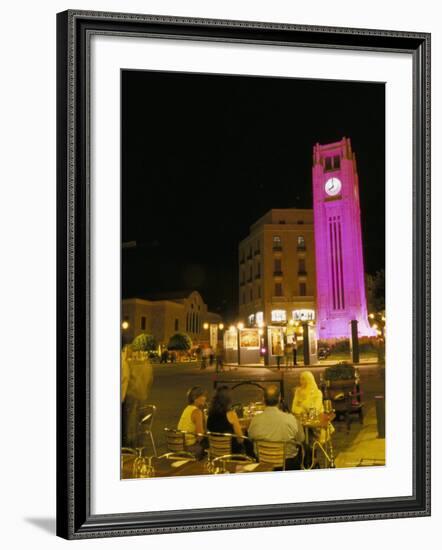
(144, 342)
(179, 342)
(376, 291)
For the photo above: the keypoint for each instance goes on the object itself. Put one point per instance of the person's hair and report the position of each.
(194, 393)
(272, 396)
(222, 401)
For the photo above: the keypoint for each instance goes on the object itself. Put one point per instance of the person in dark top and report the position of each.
(222, 419)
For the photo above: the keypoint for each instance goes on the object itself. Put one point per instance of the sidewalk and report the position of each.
(322, 364)
(366, 449)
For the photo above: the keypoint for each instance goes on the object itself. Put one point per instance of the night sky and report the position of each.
(204, 156)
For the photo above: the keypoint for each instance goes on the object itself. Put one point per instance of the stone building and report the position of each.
(162, 315)
(277, 279)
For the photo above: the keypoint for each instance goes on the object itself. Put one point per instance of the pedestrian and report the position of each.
(137, 382)
(295, 351)
(288, 353)
(211, 356)
(278, 353)
(220, 360)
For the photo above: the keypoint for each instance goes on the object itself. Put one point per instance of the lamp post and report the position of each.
(124, 327)
(239, 328)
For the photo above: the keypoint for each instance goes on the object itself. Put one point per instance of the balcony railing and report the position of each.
(277, 247)
(277, 273)
(302, 272)
(301, 248)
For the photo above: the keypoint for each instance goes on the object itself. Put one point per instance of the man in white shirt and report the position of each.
(275, 425)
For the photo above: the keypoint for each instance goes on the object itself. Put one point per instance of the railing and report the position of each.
(277, 273)
(277, 247)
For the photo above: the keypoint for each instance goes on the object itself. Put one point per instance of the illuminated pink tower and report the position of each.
(340, 284)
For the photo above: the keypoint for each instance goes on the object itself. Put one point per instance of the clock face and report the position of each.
(333, 186)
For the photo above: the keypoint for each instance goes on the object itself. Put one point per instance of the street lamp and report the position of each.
(125, 325)
(206, 326)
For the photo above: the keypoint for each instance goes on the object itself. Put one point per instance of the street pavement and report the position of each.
(172, 380)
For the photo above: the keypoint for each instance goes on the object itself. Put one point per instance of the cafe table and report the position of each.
(167, 467)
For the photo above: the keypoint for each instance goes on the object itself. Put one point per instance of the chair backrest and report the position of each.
(146, 416)
(271, 452)
(219, 444)
(175, 439)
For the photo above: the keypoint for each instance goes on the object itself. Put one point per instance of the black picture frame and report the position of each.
(74, 518)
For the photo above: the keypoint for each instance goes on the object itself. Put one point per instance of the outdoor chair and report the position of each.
(220, 444)
(346, 401)
(271, 452)
(176, 442)
(342, 389)
(147, 415)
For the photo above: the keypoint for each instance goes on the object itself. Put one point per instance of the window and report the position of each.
(332, 163)
(277, 242)
(278, 289)
(251, 320)
(143, 323)
(279, 315)
(177, 324)
(302, 289)
(251, 294)
(301, 242)
(258, 271)
(301, 267)
(277, 266)
(259, 317)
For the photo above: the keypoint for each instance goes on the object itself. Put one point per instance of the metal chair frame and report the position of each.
(234, 458)
(145, 424)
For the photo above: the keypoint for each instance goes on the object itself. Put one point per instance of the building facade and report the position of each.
(341, 294)
(164, 315)
(277, 279)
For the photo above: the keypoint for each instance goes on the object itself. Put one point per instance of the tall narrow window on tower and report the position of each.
(338, 242)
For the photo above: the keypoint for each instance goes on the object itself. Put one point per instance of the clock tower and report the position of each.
(338, 242)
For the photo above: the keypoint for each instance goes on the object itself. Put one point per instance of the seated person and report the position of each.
(307, 395)
(275, 425)
(192, 420)
(222, 419)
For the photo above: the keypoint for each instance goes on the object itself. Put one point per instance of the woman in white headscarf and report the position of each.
(307, 395)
